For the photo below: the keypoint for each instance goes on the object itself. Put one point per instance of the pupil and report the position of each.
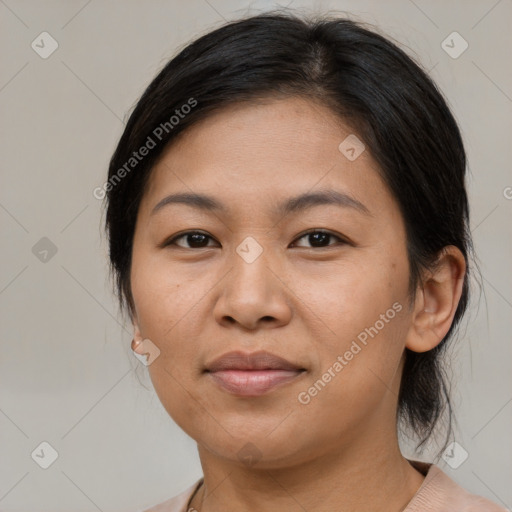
(195, 238)
(316, 237)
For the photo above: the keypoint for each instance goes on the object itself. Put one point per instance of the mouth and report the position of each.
(253, 374)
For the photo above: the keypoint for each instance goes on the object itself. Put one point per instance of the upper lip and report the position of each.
(261, 360)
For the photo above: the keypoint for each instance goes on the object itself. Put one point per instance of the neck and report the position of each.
(364, 475)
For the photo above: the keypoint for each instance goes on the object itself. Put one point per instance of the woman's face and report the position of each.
(334, 305)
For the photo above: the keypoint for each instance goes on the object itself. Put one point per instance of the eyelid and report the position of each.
(177, 236)
(333, 234)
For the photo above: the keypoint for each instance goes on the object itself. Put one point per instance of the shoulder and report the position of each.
(177, 503)
(439, 493)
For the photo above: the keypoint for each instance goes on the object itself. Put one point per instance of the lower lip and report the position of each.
(253, 382)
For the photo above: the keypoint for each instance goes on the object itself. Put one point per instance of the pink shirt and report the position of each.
(438, 493)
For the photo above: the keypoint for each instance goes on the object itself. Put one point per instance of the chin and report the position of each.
(258, 452)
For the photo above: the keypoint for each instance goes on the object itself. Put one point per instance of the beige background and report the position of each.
(67, 374)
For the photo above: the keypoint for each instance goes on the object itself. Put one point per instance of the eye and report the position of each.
(320, 238)
(195, 239)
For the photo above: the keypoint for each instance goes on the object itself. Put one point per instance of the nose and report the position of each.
(255, 294)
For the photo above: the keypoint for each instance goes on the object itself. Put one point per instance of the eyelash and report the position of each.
(173, 240)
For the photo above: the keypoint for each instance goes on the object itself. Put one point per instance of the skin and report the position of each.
(302, 302)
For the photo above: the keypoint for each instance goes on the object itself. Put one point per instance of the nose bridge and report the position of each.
(252, 290)
(250, 250)
(251, 262)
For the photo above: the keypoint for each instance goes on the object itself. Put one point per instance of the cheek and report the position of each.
(161, 295)
(365, 321)
(352, 297)
(358, 375)
(166, 315)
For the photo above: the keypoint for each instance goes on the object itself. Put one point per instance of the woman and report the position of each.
(288, 229)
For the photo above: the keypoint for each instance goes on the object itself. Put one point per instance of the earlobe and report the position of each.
(137, 335)
(436, 301)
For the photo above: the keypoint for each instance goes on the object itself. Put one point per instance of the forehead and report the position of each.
(257, 152)
(284, 127)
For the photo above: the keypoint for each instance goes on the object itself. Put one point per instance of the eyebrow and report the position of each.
(291, 205)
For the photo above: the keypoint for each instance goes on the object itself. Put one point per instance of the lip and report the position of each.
(252, 374)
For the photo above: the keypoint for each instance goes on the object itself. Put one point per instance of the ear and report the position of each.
(436, 301)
